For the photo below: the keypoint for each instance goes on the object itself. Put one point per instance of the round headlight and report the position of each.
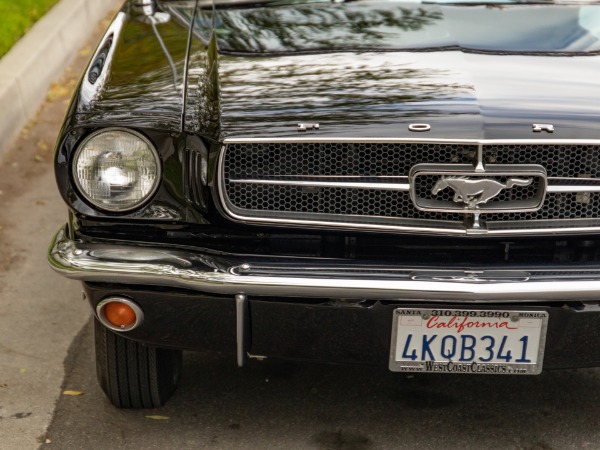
(116, 169)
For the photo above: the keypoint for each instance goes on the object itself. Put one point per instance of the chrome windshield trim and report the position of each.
(201, 272)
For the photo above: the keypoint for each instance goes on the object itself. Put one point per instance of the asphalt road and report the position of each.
(45, 324)
(279, 405)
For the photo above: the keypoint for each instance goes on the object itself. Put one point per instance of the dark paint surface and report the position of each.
(379, 94)
(369, 69)
(361, 69)
(145, 77)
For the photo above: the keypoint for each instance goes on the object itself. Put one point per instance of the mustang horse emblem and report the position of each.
(476, 191)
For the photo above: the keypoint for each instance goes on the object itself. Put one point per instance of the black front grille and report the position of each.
(328, 201)
(564, 160)
(289, 181)
(565, 205)
(281, 161)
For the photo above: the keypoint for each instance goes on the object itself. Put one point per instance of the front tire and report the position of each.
(134, 375)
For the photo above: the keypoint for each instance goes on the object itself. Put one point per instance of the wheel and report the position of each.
(134, 375)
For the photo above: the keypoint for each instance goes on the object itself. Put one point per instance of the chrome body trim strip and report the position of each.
(242, 319)
(88, 92)
(349, 140)
(337, 177)
(551, 188)
(186, 67)
(202, 272)
(335, 184)
(559, 189)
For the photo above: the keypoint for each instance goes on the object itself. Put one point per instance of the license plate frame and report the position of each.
(493, 327)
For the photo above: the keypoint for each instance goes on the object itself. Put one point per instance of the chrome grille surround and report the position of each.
(364, 184)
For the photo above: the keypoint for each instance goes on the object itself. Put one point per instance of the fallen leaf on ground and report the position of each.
(41, 144)
(73, 393)
(57, 91)
(158, 417)
(85, 51)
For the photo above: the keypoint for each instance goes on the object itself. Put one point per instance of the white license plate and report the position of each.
(445, 340)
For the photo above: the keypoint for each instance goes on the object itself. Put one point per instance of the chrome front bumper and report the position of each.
(213, 272)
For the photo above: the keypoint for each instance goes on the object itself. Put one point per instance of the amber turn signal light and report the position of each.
(119, 313)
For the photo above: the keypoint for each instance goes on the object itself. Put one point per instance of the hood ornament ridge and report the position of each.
(307, 126)
(539, 127)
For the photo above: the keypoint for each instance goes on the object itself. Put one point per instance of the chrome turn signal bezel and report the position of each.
(139, 314)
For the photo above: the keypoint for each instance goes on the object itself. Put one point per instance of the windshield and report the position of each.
(234, 3)
(376, 25)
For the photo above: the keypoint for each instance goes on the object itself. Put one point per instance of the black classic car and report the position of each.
(399, 183)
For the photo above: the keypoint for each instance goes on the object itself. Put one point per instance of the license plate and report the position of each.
(468, 341)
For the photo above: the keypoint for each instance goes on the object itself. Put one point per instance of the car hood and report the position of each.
(370, 69)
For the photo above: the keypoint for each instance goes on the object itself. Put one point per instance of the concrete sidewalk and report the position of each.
(40, 313)
(41, 57)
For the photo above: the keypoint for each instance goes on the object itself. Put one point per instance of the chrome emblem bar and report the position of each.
(474, 192)
(477, 191)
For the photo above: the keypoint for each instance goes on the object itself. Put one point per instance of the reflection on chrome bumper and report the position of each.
(210, 272)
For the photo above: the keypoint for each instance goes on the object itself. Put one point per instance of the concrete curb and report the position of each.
(41, 57)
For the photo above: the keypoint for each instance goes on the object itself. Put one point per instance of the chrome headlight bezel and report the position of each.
(107, 207)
